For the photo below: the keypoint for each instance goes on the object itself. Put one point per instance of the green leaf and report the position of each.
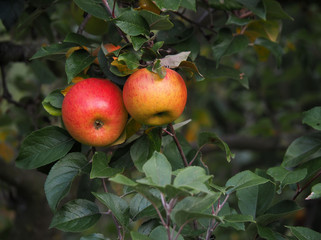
(177, 34)
(233, 20)
(274, 10)
(268, 233)
(93, 7)
(255, 200)
(312, 118)
(191, 44)
(44, 146)
(193, 177)
(303, 233)
(312, 166)
(117, 205)
(193, 207)
(100, 167)
(131, 23)
(168, 4)
(244, 179)
(53, 102)
(131, 59)
(158, 169)
(205, 66)
(138, 152)
(42, 72)
(273, 47)
(105, 67)
(160, 233)
(156, 21)
(236, 218)
(76, 216)
(301, 149)
(138, 236)
(227, 45)
(77, 62)
(138, 41)
(141, 207)
(189, 4)
(255, 6)
(285, 176)
(275, 212)
(78, 39)
(208, 137)
(53, 49)
(94, 236)
(121, 179)
(315, 192)
(61, 176)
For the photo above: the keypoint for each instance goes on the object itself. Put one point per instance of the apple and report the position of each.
(93, 112)
(154, 101)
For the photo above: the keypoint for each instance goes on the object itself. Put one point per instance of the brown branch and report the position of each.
(11, 52)
(300, 190)
(82, 26)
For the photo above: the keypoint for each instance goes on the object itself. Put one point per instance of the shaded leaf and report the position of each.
(76, 216)
(189, 4)
(312, 118)
(117, 205)
(138, 236)
(78, 39)
(131, 23)
(268, 233)
(156, 21)
(44, 146)
(304, 233)
(315, 192)
(93, 7)
(273, 47)
(53, 49)
(100, 167)
(53, 102)
(274, 10)
(94, 236)
(301, 149)
(61, 176)
(168, 4)
(138, 41)
(160, 233)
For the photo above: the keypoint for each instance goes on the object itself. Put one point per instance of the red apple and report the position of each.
(154, 101)
(93, 112)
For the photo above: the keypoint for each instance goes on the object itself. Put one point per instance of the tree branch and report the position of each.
(11, 52)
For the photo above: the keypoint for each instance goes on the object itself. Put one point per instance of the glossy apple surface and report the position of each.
(152, 100)
(93, 112)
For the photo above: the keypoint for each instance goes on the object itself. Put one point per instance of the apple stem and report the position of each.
(83, 24)
(98, 124)
(179, 147)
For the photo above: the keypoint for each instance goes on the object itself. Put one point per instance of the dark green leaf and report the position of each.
(156, 21)
(141, 207)
(235, 218)
(244, 179)
(138, 41)
(77, 62)
(160, 233)
(117, 205)
(138, 152)
(274, 10)
(131, 59)
(168, 4)
(42, 72)
(233, 20)
(205, 66)
(121, 179)
(285, 176)
(208, 137)
(312, 166)
(273, 47)
(227, 45)
(255, 6)
(53, 49)
(78, 39)
(61, 176)
(105, 67)
(280, 209)
(94, 236)
(53, 102)
(315, 192)
(226, 5)
(158, 169)
(304, 233)
(131, 23)
(76, 216)
(192, 177)
(43, 147)
(189, 4)
(301, 149)
(268, 233)
(177, 34)
(313, 118)
(138, 236)
(94, 8)
(10, 12)
(100, 167)
(192, 44)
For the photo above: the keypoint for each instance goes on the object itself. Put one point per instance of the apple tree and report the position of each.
(153, 182)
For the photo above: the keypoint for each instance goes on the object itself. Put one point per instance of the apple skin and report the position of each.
(93, 112)
(153, 101)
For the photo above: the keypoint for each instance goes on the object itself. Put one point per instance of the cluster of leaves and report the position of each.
(167, 192)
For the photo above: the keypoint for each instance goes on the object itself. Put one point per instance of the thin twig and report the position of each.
(83, 24)
(179, 147)
(181, 228)
(299, 190)
(112, 14)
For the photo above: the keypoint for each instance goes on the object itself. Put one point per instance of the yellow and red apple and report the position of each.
(93, 112)
(152, 100)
